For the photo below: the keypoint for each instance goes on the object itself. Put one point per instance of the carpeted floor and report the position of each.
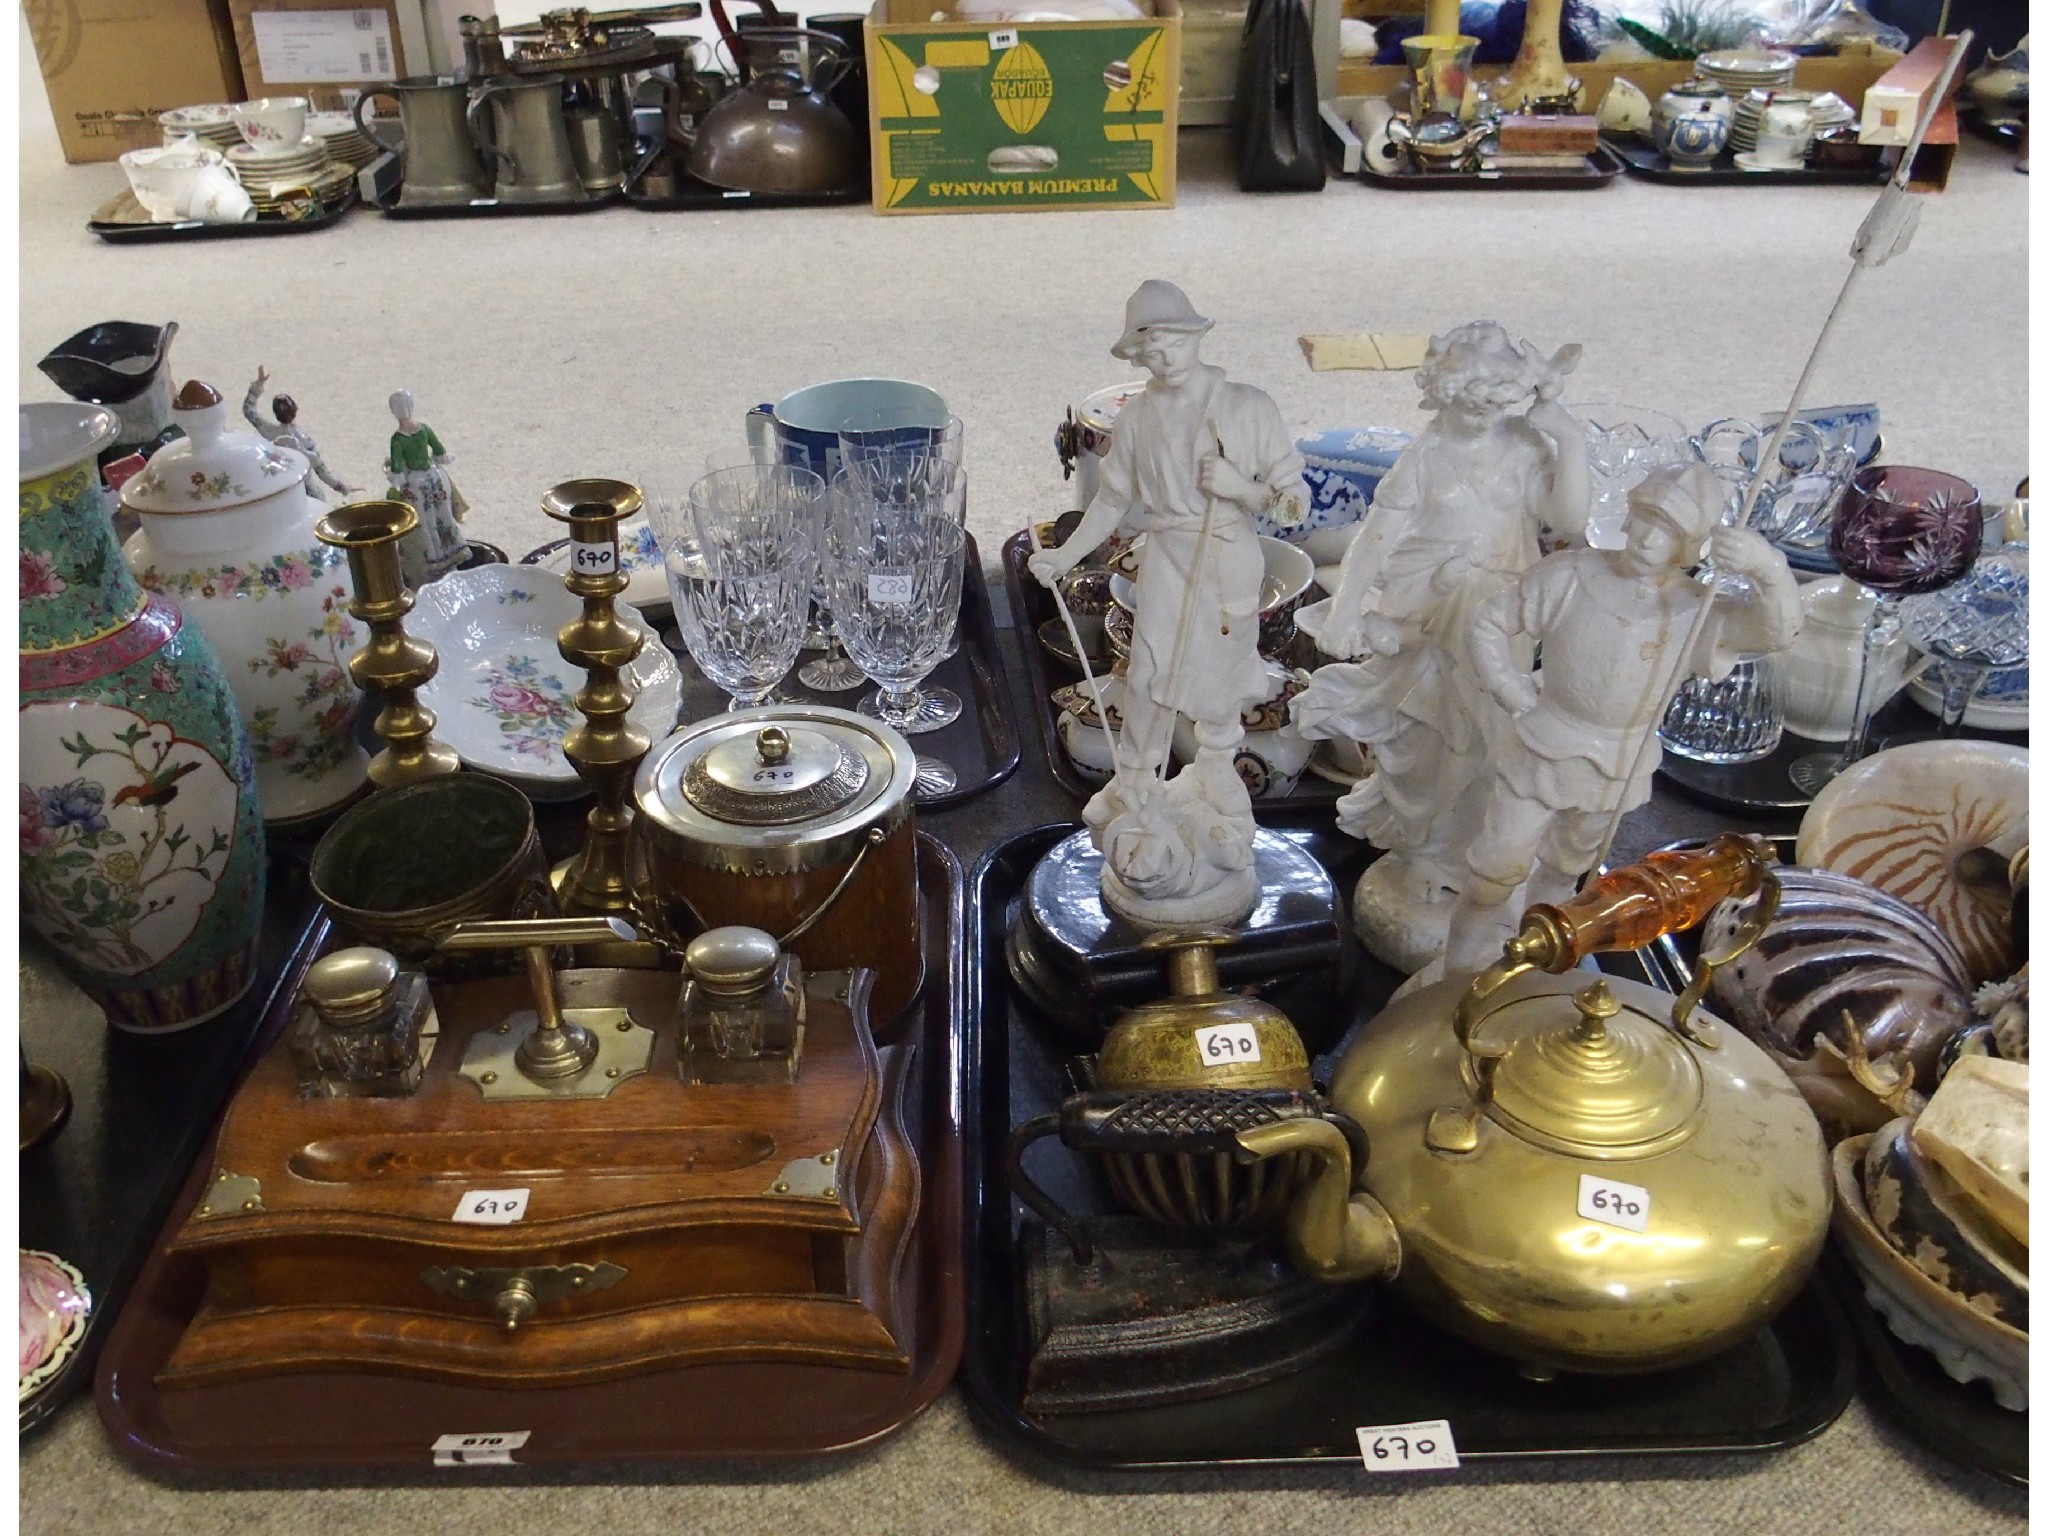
(623, 343)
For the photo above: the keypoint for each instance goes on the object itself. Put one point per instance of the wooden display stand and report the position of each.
(662, 1224)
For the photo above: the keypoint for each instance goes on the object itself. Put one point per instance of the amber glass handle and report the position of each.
(1626, 909)
(1629, 907)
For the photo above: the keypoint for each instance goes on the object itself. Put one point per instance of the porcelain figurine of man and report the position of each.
(1201, 455)
(1611, 624)
(1457, 519)
(419, 477)
(285, 428)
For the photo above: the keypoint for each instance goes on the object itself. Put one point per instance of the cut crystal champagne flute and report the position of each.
(742, 594)
(894, 575)
(1900, 531)
(883, 482)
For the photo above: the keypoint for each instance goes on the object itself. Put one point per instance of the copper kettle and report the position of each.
(779, 132)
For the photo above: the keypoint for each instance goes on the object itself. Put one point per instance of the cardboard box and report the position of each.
(327, 50)
(1071, 114)
(111, 65)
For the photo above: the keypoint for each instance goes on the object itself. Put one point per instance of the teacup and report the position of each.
(161, 175)
(216, 196)
(1785, 150)
(1625, 109)
(272, 122)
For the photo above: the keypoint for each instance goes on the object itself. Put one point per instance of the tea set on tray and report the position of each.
(572, 1126)
(1741, 103)
(274, 158)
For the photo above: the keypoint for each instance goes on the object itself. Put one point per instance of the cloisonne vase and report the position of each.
(142, 853)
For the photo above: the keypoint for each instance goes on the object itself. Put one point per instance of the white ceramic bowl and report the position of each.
(504, 696)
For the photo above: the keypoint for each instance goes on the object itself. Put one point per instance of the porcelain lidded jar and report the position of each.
(227, 532)
(1694, 98)
(141, 837)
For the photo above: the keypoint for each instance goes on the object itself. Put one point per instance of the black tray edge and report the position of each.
(157, 234)
(110, 1296)
(1642, 162)
(1605, 162)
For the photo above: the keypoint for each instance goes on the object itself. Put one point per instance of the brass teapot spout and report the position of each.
(1334, 1233)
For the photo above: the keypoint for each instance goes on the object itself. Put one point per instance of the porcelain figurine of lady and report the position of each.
(1202, 456)
(418, 466)
(1458, 518)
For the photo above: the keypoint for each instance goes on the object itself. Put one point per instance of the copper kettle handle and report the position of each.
(1626, 909)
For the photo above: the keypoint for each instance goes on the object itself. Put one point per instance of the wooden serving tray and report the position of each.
(349, 1421)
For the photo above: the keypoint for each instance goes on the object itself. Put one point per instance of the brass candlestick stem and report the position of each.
(604, 748)
(391, 661)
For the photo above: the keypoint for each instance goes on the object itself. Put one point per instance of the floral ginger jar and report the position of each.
(142, 852)
(227, 532)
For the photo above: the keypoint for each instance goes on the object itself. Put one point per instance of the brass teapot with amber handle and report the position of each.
(1579, 1172)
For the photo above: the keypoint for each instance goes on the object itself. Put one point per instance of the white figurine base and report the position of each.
(1401, 909)
(1224, 904)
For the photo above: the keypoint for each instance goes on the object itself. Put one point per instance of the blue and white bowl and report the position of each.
(1344, 466)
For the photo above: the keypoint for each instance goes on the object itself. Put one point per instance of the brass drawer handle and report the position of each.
(516, 1294)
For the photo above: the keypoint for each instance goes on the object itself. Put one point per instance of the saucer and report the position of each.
(639, 557)
(1747, 160)
(55, 1305)
(504, 696)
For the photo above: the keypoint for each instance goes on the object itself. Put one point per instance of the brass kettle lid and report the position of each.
(1611, 1078)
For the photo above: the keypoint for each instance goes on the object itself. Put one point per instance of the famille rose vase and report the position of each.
(227, 533)
(142, 853)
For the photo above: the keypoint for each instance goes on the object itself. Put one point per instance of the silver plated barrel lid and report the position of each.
(783, 787)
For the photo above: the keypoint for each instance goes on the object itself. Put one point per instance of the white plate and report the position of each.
(639, 557)
(504, 697)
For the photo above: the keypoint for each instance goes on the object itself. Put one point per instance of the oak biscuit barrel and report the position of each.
(795, 819)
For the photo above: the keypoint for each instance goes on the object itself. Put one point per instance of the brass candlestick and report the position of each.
(604, 748)
(391, 661)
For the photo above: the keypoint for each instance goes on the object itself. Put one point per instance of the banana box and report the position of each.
(971, 116)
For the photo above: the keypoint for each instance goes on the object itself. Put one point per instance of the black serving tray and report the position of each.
(1651, 164)
(142, 1108)
(1310, 801)
(1601, 167)
(120, 220)
(1765, 786)
(694, 196)
(1957, 1419)
(981, 746)
(491, 208)
(1783, 1387)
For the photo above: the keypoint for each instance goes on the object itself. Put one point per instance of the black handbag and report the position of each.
(1273, 121)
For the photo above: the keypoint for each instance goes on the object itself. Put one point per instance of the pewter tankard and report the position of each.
(438, 157)
(528, 140)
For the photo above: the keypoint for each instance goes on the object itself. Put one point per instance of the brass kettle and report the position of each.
(1580, 1173)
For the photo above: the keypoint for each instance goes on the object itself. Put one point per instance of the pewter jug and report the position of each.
(528, 140)
(438, 159)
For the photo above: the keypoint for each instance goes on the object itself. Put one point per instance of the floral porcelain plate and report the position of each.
(504, 698)
(55, 1305)
(639, 558)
